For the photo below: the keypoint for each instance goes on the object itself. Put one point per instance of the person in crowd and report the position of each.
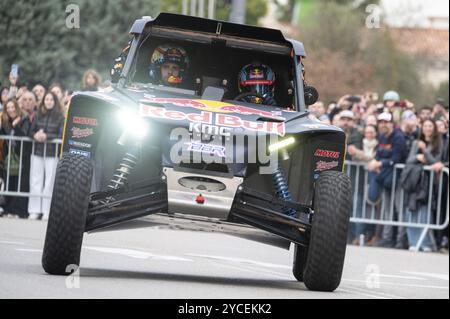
(39, 91)
(443, 236)
(58, 90)
(369, 143)
(28, 105)
(425, 113)
(347, 124)
(439, 110)
(91, 81)
(4, 94)
(12, 125)
(410, 128)
(371, 120)
(47, 126)
(318, 110)
(365, 155)
(427, 150)
(354, 138)
(391, 149)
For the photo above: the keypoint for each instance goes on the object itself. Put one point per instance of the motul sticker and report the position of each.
(328, 154)
(85, 121)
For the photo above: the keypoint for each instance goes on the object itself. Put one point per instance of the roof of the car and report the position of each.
(197, 24)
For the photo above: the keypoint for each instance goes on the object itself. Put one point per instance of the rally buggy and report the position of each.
(197, 157)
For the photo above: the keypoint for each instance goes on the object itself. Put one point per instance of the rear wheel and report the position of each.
(67, 218)
(326, 252)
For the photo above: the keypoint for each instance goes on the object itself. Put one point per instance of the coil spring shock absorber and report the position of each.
(126, 166)
(282, 190)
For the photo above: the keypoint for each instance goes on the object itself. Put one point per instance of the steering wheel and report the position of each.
(246, 94)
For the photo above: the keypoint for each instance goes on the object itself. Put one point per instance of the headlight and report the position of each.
(282, 144)
(132, 123)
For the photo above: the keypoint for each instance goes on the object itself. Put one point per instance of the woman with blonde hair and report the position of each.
(91, 80)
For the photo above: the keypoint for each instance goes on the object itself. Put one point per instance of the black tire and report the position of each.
(326, 250)
(68, 210)
(300, 253)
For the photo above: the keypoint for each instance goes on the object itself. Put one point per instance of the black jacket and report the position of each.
(52, 123)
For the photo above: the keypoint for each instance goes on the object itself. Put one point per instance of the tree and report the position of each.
(255, 9)
(36, 37)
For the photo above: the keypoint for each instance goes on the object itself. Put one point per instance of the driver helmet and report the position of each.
(168, 54)
(257, 78)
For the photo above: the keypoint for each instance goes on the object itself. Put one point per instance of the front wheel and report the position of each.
(326, 251)
(68, 210)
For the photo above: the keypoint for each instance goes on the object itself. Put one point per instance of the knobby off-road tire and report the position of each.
(299, 261)
(67, 218)
(324, 262)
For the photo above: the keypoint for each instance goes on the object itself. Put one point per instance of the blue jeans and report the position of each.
(414, 233)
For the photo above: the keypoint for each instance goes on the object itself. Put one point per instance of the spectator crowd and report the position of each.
(384, 133)
(29, 165)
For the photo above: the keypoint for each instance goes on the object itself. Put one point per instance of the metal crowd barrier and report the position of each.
(392, 212)
(6, 173)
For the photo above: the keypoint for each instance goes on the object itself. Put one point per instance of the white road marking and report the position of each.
(29, 250)
(365, 294)
(135, 253)
(10, 242)
(400, 277)
(428, 274)
(398, 284)
(241, 261)
(365, 290)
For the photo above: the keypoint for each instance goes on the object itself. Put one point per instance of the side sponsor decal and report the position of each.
(79, 152)
(79, 144)
(85, 121)
(81, 132)
(328, 154)
(207, 148)
(324, 166)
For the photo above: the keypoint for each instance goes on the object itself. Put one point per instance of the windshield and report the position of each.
(246, 76)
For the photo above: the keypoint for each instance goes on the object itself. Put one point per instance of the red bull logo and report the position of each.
(205, 117)
(212, 106)
(256, 74)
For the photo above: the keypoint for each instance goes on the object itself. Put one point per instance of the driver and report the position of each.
(168, 65)
(256, 84)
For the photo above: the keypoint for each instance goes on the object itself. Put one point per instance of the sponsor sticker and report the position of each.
(81, 132)
(328, 154)
(207, 148)
(213, 106)
(221, 120)
(324, 166)
(79, 144)
(80, 152)
(85, 121)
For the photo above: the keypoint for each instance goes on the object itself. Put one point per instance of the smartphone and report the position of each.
(15, 70)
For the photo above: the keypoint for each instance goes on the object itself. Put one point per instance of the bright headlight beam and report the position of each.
(132, 123)
(284, 143)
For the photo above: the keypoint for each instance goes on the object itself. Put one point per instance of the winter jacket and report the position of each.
(52, 123)
(354, 137)
(391, 149)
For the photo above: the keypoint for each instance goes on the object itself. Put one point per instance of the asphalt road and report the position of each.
(160, 263)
